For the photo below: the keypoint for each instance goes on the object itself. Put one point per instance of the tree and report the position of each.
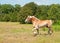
(41, 12)
(28, 9)
(7, 8)
(16, 13)
(17, 7)
(53, 12)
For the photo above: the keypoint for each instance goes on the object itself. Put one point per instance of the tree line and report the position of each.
(16, 13)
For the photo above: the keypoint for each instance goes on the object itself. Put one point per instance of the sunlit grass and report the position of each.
(13, 32)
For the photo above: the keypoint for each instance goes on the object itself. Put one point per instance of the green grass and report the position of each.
(13, 32)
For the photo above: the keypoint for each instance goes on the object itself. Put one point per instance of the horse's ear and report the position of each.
(30, 16)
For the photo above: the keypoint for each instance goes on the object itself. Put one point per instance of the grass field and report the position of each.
(13, 32)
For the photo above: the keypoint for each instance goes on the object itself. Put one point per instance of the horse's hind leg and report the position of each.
(50, 31)
(37, 31)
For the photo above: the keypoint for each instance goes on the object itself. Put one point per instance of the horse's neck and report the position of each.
(34, 20)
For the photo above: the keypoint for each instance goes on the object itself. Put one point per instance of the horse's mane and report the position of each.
(35, 18)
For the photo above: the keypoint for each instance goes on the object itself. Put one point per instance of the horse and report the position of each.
(37, 24)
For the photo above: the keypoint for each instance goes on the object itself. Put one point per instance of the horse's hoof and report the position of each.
(35, 35)
(50, 33)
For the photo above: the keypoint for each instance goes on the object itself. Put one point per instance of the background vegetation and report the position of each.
(16, 13)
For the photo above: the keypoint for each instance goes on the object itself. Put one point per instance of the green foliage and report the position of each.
(9, 12)
(17, 13)
(17, 7)
(6, 8)
(28, 9)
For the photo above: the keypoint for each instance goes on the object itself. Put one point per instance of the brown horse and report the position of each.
(40, 23)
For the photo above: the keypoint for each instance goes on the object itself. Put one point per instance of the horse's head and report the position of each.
(29, 18)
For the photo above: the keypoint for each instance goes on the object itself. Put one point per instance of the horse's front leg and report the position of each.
(35, 31)
(50, 31)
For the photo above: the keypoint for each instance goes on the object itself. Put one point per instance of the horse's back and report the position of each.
(45, 22)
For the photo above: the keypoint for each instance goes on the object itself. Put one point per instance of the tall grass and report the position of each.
(13, 32)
